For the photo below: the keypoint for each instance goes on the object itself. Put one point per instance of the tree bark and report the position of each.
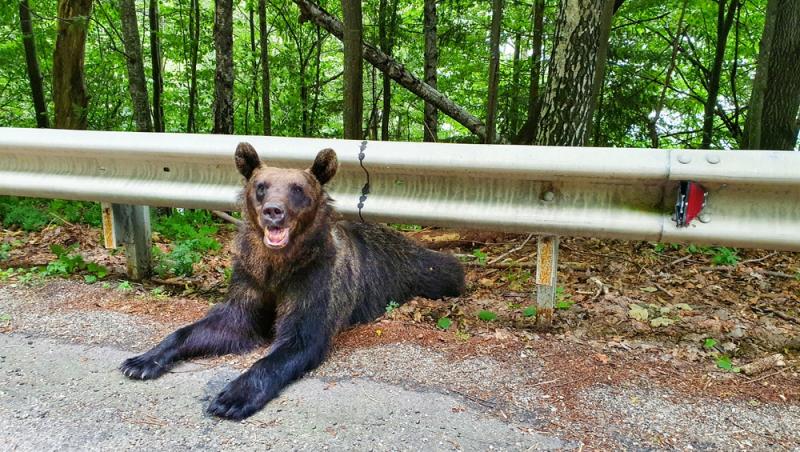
(387, 27)
(32, 63)
(254, 60)
(353, 69)
(567, 109)
(223, 78)
(528, 130)
(430, 20)
(265, 83)
(724, 24)
(194, 38)
(773, 119)
(494, 70)
(513, 97)
(155, 57)
(395, 70)
(69, 87)
(137, 86)
(600, 67)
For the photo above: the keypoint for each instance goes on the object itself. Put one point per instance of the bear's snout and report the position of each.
(274, 213)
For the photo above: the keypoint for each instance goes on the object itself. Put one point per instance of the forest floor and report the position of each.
(652, 346)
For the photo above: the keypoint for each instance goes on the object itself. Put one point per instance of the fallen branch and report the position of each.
(227, 217)
(513, 250)
(393, 69)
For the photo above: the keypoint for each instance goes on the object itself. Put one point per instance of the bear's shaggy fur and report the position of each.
(300, 275)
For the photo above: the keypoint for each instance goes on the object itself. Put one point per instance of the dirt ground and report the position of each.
(633, 316)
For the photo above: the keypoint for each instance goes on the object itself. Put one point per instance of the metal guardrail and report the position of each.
(753, 196)
(753, 200)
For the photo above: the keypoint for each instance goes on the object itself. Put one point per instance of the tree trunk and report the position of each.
(253, 59)
(387, 26)
(602, 56)
(724, 24)
(494, 70)
(223, 78)
(513, 97)
(431, 66)
(137, 86)
(567, 109)
(265, 84)
(32, 63)
(353, 69)
(69, 88)
(155, 57)
(528, 130)
(653, 123)
(194, 37)
(772, 122)
(395, 70)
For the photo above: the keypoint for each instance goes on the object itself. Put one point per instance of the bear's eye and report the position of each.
(260, 189)
(297, 190)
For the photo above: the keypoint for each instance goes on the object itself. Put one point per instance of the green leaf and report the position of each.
(487, 316)
(444, 323)
(480, 256)
(637, 312)
(530, 311)
(649, 289)
(564, 304)
(724, 363)
(90, 279)
(710, 342)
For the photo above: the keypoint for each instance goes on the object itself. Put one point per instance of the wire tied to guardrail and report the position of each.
(365, 189)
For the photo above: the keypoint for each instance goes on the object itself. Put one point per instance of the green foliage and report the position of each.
(563, 299)
(68, 263)
(197, 227)
(26, 213)
(5, 250)
(480, 256)
(530, 311)
(406, 227)
(724, 256)
(76, 211)
(125, 286)
(724, 362)
(179, 261)
(709, 343)
(444, 323)
(487, 316)
(392, 306)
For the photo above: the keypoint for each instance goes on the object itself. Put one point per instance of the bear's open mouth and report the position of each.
(276, 237)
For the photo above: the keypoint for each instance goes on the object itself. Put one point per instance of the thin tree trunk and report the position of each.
(353, 95)
(566, 113)
(653, 124)
(528, 130)
(69, 88)
(773, 119)
(513, 107)
(600, 65)
(265, 84)
(387, 26)
(317, 78)
(223, 78)
(254, 59)
(724, 24)
(155, 56)
(395, 70)
(32, 63)
(194, 38)
(430, 20)
(137, 85)
(494, 70)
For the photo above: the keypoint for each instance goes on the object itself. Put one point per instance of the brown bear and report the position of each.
(300, 275)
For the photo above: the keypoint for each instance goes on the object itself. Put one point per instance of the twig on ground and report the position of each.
(511, 251)
(679, 260)
(664, 290)
(227, 217)
(750, 261)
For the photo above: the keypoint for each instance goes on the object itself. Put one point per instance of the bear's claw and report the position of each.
(141, 368)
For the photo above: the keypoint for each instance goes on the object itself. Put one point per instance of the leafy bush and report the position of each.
(25, 213)
(67, 263)
(724, 256)
(179, 261)
(195, 227)
(76, 211)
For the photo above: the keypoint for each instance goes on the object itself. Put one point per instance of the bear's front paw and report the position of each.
(241, 398)
(142, 367)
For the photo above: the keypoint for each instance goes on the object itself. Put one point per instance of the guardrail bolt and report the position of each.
(712, 158)
(704, 218)
(549, 196)
(685, 158)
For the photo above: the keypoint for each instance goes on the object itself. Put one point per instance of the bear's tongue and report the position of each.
(276, 237)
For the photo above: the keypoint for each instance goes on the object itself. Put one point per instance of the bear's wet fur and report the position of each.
(300, 275)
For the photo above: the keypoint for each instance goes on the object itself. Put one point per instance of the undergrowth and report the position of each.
(191, 234)
(33, 214)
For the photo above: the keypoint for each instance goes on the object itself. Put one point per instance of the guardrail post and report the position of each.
(124, 224)
(546, 275)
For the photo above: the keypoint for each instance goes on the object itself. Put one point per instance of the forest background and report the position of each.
(635, 73)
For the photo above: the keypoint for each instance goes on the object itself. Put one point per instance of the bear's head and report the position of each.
(283, 203)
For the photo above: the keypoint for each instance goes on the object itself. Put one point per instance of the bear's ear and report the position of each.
(246, 159)
(325, 165)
